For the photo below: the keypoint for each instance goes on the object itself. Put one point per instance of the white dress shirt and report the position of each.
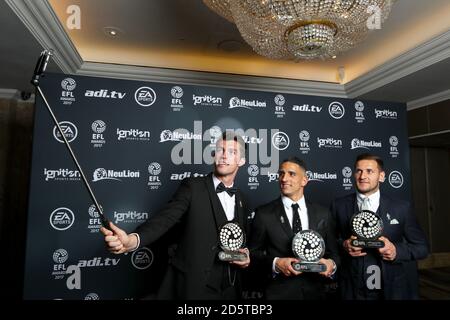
(374, 200)
(227, 201)
(303, 213)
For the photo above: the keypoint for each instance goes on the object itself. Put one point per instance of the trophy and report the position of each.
(309, 247)
(367, 226)
(231, 238)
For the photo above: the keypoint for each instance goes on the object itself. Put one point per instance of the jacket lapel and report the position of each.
(281, 217)
(219, 214)
(313, 218)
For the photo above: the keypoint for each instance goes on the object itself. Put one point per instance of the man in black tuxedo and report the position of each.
(273, 230)
(199, 207)
(389, 272)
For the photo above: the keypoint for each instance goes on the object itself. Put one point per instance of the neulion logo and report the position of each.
(103, 174)
(207, 100)
(168, 135)
(361, 144)
(385, 114)
(61, 174)
(315, 176)
(329, 143)
(235, 102)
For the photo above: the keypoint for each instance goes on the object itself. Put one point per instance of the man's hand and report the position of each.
(330, 266)
(284, 266)
(244, 263)
(351, 250)
(388, 252)
(117, 240)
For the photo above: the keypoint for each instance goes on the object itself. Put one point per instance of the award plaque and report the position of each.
(231, 239)
(308, 246)
(367, 226)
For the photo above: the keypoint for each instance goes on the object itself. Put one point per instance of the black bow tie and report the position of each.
(221, 187)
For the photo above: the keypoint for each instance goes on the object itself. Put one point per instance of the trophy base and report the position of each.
(309, 267)
(232, 256)
(371, 244)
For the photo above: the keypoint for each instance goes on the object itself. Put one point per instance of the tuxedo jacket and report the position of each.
(272, 237)
(399, 277)
(194, 271)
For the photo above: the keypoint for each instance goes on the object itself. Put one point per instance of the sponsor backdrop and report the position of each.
(137, 140)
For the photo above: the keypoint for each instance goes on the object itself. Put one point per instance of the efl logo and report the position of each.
(336, 110)
(396, 179)
(154, 168)
(60, 256)
(280, 141)
(68, 84)
(69, 130)
(142, 258)
(62, 219)
(145, 96)
(253, 170)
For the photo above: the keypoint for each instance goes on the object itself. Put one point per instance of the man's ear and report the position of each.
(382, 176)
(304, 181)
(241, 162)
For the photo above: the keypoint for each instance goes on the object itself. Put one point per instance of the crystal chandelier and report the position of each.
(303, 29)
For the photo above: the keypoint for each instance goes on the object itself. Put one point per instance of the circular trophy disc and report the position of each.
(231, 237)
(366, 225)
(308, 246)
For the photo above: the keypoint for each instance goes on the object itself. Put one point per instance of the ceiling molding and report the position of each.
(429, 100)
(41, 20)
(412, 61)
(212, 79)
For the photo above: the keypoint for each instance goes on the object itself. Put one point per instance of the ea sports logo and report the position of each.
(62, 219)
(142, 258)
(69, 130)
(336, 110)
(280, 141)
(145, 96)
(395, 179)
(68, 84)
(60, 256)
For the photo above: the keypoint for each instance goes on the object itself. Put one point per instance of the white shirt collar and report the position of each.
(216, 182)
(374, 198)
(287, 202)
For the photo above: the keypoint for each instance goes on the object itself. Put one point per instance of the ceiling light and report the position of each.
(303, 29)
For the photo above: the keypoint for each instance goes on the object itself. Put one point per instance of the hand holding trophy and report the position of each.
(231, 239)
(367, 226)
(308, 246)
